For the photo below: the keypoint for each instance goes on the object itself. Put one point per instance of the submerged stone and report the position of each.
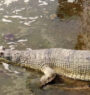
(9, 37)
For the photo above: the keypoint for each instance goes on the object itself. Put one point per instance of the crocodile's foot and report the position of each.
(48, 77)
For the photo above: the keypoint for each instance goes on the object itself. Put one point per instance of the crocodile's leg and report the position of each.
(49, 75)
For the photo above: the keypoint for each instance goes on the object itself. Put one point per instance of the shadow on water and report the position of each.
(41, 24)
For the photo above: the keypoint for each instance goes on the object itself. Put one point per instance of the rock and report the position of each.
(53, 16)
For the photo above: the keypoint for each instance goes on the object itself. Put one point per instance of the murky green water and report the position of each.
(36, 24)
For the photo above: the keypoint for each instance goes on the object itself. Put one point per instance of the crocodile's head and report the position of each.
(2, 50)
(4, 53)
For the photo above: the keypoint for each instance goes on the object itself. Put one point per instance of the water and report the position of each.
(36, 24)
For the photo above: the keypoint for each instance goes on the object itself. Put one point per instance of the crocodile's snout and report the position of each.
(2, 49)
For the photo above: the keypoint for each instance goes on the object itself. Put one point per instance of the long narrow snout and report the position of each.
(2, 49)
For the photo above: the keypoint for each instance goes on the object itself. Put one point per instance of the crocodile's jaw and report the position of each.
(7, 54)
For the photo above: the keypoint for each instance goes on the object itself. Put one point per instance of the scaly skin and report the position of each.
(74, 64)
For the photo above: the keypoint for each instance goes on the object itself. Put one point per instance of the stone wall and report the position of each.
(83, 39)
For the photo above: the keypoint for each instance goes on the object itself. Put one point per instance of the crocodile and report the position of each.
(70, 63)
(74, 64)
